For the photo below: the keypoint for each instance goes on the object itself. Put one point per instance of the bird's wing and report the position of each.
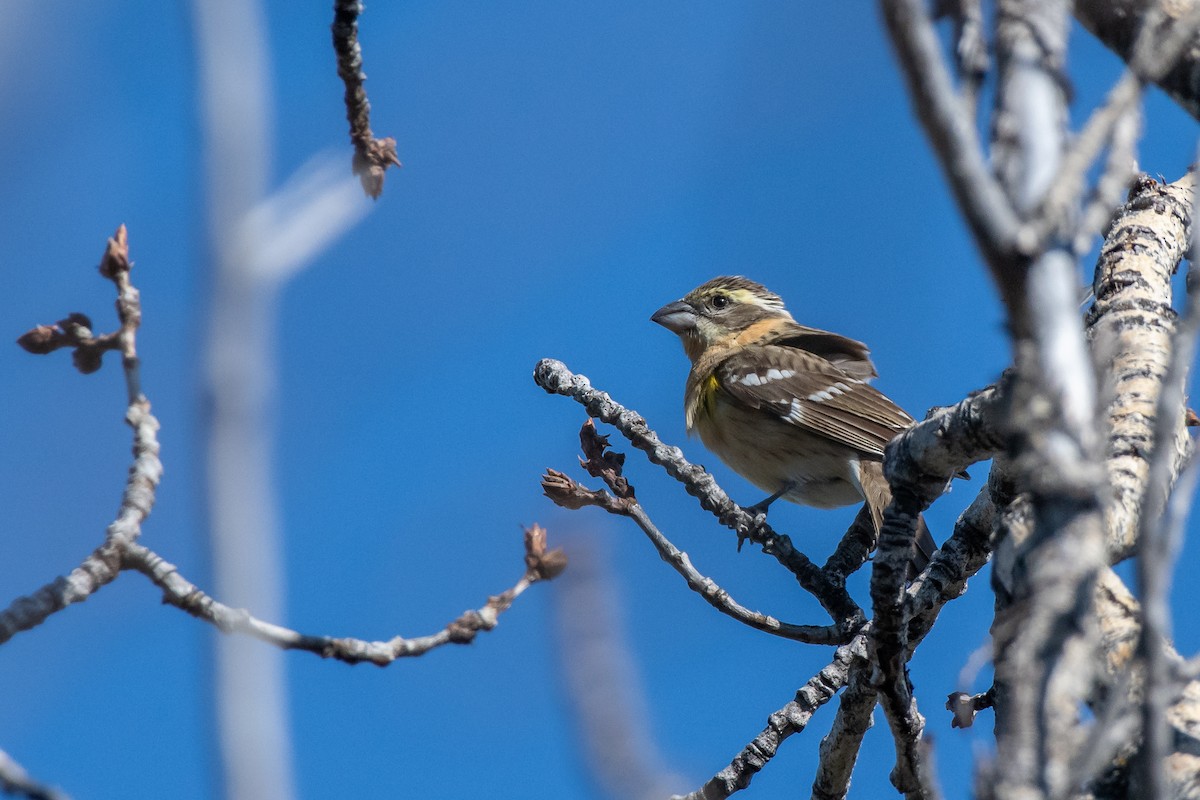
(812, 393)
(849, 355)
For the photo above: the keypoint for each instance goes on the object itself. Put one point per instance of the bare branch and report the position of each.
(121, 551)
(555, 378)
(854, 548)
(607, 464)
(1159, 531)
(719, 599)
(372, 156)
(788, 720)
(839, 748)
(924, 458)
(1113, 124)
(181, 593)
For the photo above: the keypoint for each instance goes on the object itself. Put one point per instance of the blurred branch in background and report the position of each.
(612, 715)
(256, 242)
(15, 781)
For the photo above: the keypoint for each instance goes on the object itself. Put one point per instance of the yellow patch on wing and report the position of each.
(705, 401)
(708, 393)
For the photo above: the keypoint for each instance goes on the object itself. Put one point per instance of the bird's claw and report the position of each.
(759, 519)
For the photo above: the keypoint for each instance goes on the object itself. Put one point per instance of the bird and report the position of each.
(788, 407)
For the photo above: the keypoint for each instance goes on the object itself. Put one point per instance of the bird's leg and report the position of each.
(759, 510)
(764, 505)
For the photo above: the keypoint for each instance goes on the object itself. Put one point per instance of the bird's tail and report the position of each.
(878, 496)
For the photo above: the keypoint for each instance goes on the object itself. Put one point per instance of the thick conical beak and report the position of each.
(677, 317)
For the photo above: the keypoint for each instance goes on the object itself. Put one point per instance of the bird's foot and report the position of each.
(759, 513)
(756, 525)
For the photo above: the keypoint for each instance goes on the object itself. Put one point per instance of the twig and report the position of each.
(957, 560)
(372, 156)
(555, 378)
(569, 494)
(918, 465)
(15, 780)
(922, 459)
(1119, 173)
(181, 593)
(601, 462)
(854, 549)
(788, 720)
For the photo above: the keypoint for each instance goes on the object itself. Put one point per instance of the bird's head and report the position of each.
(719, 311)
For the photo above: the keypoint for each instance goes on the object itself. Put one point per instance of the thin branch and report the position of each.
(788, 720)
(555, 378)
(924, 458)
(889, 634)
(1118, 175)
(854, 549)
(181, 593)
(956, 561)
(372, 156)
(569, 494)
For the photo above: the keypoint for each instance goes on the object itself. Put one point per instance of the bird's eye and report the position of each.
(720, 301)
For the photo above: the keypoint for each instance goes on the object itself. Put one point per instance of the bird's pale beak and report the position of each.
(678, 317)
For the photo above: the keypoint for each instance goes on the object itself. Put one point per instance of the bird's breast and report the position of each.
(769, 453)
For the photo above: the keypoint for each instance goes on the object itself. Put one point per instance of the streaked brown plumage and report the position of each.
(786, 406)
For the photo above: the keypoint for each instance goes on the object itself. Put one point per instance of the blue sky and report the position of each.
(568, 169)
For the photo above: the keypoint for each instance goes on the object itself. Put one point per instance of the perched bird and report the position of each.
(786, 406)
